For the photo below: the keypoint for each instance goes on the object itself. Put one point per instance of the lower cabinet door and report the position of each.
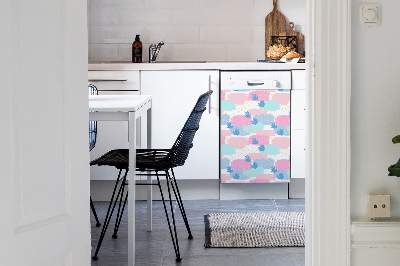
(298, 153)
(298, 109)
(174, 96)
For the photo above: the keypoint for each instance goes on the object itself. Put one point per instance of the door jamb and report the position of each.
(328, 52)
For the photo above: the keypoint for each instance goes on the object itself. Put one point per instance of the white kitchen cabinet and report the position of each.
(298, 124)
(115, 80)
(298, 79)
(174, 96)
(298, 109)
(112, 134)
(298, 153)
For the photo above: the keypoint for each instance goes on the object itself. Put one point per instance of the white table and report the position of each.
(127, 108)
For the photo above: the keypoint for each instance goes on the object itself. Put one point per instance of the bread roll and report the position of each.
(276, 51)
(293, 55)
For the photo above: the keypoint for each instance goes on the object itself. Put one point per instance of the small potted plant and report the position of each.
(394, 170)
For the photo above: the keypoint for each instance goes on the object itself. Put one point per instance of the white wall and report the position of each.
(375, 108)
(375, 120)
(193, 30)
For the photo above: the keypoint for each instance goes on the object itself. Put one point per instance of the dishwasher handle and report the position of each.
(209, 89)
(249, 83)
(104, 80)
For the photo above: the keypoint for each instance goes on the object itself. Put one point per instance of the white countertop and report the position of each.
(196, 66)
(117, 103)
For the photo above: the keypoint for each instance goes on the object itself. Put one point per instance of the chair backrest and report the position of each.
(92, 124)
(180, 150)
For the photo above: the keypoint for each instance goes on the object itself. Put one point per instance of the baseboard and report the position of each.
(253, 191)
(375, 242)
(101, 190)
(297, 188)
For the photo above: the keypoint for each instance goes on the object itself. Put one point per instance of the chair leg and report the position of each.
(180, 203)
(109, 213)
(94, 213)
(120, 212)
(174, 239)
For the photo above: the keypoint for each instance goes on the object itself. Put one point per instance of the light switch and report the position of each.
(369, 14)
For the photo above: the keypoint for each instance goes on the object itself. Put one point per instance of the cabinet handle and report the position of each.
(254, 83)
(275, 83)
(209, 99)
(100, 80)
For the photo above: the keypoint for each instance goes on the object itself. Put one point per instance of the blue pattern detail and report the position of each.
(254, 141)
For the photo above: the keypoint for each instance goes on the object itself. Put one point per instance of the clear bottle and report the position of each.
(137, 50)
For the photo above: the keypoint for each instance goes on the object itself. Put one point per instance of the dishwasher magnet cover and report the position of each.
(255, 136)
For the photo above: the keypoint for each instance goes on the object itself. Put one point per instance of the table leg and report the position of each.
(149, 178)
(132, 189)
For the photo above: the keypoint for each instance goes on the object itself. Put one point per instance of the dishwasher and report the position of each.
(255, 126)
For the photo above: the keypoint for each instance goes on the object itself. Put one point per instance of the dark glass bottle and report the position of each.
(137, 50)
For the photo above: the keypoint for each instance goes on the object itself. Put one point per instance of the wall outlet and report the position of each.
(378, 206)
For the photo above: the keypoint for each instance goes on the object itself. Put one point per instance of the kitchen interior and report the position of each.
(188, 48)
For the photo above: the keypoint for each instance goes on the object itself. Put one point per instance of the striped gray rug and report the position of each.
(238, 230)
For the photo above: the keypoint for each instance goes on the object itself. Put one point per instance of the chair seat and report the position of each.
(146, 159)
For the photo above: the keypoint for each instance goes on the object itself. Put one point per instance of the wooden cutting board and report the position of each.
(292, 32)
(275, 23)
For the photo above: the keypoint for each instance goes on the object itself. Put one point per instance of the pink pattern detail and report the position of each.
(255, 112)
(263, 95)
(223, 93)
(225, 133)
(240, 164)
(283, 120)
(282, 98)
(282, 164)
(241, 120)
(225, 177)
(282, 143)
(255, 156)
(269, 133)
(264, 178)
(238, 143)
(262, 139)
(238, 98)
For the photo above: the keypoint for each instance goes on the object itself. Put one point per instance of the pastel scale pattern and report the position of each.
(255, 136)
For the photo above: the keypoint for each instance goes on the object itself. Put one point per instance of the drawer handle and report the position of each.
(254, 83)
(209, 89)
(100, 80)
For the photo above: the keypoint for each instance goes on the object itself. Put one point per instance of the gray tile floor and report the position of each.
(155, 248)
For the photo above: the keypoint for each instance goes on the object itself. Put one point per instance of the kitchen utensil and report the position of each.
(292, 32)
(275, 23)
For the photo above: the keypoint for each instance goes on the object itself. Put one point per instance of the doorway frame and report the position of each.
(328, 223)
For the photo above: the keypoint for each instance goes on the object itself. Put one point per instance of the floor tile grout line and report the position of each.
(276, 205)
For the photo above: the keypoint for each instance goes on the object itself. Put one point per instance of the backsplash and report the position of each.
(193, 30)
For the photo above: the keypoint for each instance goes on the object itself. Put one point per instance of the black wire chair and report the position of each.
(154, 160)
(92, 143)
